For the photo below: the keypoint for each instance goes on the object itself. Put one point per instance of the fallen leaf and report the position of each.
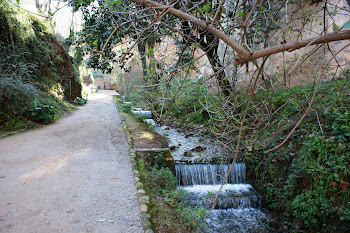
(114, 178)
(343, 185)
(333, 184)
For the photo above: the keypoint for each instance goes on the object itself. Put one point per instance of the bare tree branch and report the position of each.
(336, 36)
(204, 25)
(243, 55)
(308, 108)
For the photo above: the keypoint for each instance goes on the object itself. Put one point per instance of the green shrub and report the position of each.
(345, 213)
(32, 66)
(125, 108)
(41, 113)
(13, 123)
(312, 209)
(80, 101)
(15, 94)
(192, 217)
(174, 196)
(163, 178)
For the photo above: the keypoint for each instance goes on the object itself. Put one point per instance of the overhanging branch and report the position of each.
(336, 36)
(205, 25)
(243, 55)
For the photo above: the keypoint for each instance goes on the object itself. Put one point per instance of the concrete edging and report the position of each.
(142, 196)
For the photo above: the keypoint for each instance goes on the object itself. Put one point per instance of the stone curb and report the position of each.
(141, 193)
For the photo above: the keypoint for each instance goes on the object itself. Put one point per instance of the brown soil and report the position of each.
(142, 135)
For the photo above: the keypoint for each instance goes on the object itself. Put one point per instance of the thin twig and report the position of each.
(218, 11)
(250, 14)
(240, 133)
(308, 108)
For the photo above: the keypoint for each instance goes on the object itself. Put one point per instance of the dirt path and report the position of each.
(72, 176)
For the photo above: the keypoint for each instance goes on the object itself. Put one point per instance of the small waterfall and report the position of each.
(203, 181)
(139, 111)
(238, 208)
(231, 196)
(209, 174)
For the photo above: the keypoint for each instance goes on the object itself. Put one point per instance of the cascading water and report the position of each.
(209, 174)
(238, 206)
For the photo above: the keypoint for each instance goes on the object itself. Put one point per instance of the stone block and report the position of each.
(143, 208)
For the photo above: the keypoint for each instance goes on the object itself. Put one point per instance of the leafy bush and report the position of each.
(13, 123)
(345, 213)
(312, 209)
(41, 113)
(26, 45)
(163, 178)
(80, 101)
(15, 94)
(168, 213)
(174, 196)
(125, 108)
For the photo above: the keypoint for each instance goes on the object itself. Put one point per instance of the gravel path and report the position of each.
(72, 176)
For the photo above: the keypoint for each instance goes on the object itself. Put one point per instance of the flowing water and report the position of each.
(239, 206)
(189, 147)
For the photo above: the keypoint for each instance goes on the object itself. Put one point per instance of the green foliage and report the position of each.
(13, 123)
(169, 213)
(163, 178)
(341, 125)
(346, 25)
(41, 113)
(34, 66)
(345, 213)
(158, 159)
(188, 103)
(125, 108)
(16, 94)
(306, 180)
(173, 197)
(80, 101)
(312, 208)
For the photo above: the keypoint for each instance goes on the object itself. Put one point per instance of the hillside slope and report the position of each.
(37, 76)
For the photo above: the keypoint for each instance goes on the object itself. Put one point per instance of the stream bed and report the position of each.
(190, 147)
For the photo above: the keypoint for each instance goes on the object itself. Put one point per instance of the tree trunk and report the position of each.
(210, 47)
(142, 50)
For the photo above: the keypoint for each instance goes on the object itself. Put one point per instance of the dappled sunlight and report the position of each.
(147, 135)
(102, 94)
(47, 168)
(97, 96)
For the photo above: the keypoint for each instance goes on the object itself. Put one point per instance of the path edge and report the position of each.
(142, 197)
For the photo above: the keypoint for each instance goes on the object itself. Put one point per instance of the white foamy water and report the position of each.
(201, 189)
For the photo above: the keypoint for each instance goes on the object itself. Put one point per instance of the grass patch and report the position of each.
(169, 213)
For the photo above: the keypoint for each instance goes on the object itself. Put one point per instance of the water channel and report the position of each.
(198, 172)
